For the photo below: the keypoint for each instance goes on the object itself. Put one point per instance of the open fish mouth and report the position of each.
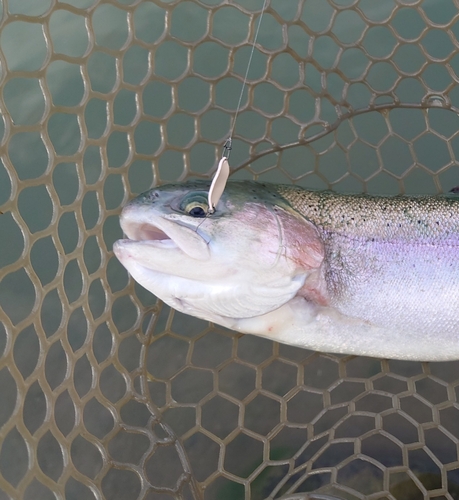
(149, 229)
(148, 233)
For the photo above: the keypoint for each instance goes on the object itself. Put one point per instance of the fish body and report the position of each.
(353, 274)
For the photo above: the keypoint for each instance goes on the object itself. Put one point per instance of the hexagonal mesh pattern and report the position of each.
(108, 394)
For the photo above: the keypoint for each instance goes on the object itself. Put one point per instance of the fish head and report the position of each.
(249, 257)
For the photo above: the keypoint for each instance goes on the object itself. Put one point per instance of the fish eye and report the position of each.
(196, 211)
(195, 204)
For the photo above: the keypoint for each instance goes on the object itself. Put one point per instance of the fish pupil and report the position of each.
(197, 212)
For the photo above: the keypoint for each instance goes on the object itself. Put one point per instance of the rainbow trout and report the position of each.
(354, 274)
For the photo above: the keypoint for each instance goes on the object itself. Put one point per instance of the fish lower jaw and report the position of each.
(148, 256)
(166, 243)
(128, 247)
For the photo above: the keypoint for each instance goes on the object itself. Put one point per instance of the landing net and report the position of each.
(105, 393)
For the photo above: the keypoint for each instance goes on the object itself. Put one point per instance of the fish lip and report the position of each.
(143, 227)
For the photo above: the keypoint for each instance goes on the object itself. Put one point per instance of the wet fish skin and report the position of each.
(355, 274)
(387, 253)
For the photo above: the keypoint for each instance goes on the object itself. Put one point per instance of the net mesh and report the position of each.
(108, 394)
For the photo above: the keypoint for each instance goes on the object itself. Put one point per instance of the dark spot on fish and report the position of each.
(455, 190)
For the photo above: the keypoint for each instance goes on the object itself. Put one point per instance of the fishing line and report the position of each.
(223, 170)
(265, 3)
